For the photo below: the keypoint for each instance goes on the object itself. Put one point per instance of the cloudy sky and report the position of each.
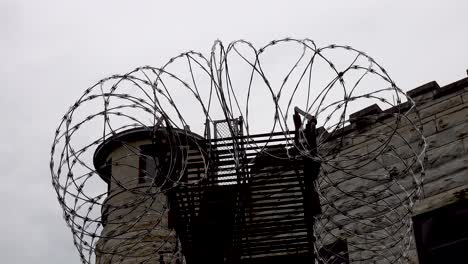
(51, 51)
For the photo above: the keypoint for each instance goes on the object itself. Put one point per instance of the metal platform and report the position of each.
(254, 203)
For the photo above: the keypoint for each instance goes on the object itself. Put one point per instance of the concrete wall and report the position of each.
(367, 201)
(136, 229)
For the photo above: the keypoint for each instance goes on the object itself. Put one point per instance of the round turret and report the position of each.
(140, 167)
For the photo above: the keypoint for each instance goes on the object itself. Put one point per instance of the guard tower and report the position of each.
(140, 166)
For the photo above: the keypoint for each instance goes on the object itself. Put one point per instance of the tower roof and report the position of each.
(117, 140)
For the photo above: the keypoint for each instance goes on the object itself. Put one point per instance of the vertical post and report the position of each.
(207, 129)
(311, 172)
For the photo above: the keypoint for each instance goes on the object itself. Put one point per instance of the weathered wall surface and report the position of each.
(364, 196)
(135, 214)
(136, 221)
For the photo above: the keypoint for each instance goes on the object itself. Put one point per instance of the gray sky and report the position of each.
(52, 50)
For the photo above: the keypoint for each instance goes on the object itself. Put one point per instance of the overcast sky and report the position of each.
(50, 51)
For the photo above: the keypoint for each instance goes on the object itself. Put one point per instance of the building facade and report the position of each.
(368, 213)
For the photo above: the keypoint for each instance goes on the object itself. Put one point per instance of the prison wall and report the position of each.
(365, 182)
(369, 171)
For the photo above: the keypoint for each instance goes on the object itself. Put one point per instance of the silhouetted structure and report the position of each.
(345, 192)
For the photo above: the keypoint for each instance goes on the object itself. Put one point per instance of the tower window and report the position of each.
(106, 172)
(154, 164)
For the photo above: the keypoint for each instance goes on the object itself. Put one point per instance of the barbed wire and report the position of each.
(371, 164)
